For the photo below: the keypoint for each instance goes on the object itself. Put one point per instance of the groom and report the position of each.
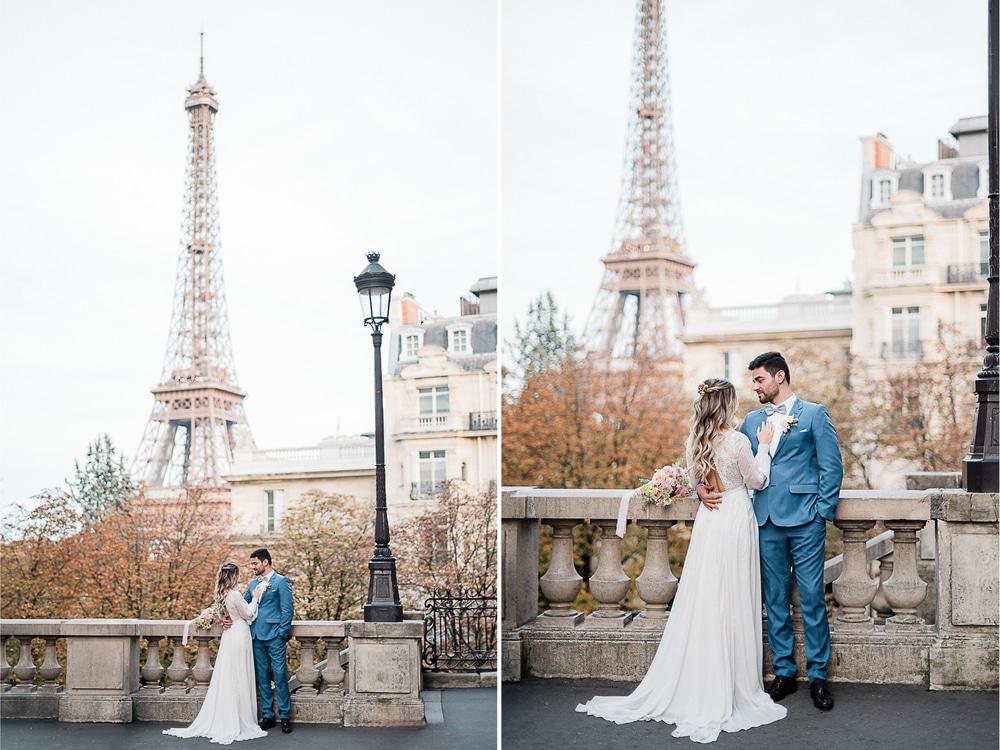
(270, 633)
(792, 511)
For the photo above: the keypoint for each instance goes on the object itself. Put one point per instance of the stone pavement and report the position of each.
(540, 714)
(460, 719)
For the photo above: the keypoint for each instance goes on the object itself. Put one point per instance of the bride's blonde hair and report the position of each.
(226, 580)
(715, 409)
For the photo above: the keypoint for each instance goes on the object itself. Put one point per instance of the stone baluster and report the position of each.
(51, 668)
(24, 670)
(152, 671)
(4, 664)
(202, 671)
(609, 584)
(854, 589)
(307, 673)
(561, 583)
(904, 590)
(880, 607)
(178, 669)
(656, 585)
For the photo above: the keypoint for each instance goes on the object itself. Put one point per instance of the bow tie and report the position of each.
(769, 410)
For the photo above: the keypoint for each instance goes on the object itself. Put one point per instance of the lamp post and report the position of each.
(981, 466)
(374, 286)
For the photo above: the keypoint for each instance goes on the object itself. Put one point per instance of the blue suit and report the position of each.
(270, 633)
(806, 470)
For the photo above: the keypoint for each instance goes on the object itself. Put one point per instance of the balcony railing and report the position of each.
(968, 273)
(103, 679)
(476, 421)
(907, 275)
(878, 632)
(482, 420)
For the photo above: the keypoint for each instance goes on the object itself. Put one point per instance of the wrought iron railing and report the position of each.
(967, 273)
(482, 420)
(460, 632)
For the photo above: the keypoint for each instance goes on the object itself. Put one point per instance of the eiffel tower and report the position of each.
(638, 310)
(197, 418)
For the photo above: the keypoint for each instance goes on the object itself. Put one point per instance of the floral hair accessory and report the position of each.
(702, 387)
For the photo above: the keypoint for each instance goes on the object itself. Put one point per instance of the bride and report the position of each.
(230, 709)
(706, 674)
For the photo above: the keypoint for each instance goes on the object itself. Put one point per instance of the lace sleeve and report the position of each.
(239, 608)
(756, 471)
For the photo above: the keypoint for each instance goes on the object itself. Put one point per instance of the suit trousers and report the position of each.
(802, 547)
(271, 660)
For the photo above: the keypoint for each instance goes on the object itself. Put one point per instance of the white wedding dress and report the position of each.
(230, 709)
(706, 674)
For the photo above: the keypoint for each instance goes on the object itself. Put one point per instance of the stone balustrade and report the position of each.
(877, 630)
(371, 676)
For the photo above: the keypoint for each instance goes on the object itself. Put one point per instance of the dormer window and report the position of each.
(937, 184)
(459, 339)
(884, 186)
(411, 339)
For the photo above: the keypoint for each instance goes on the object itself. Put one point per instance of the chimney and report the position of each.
(877, 152)
(409, 310)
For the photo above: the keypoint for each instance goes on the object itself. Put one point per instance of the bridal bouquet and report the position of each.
(208, 619)
(667, 484)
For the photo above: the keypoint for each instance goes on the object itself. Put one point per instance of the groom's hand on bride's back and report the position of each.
(709, 497)
(227, 622)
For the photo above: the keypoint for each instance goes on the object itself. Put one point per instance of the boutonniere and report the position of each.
(267, 584)
(790, 422)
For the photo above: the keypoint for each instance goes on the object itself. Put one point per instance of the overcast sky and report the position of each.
(343, 127)
(351, 126)
(770, 101)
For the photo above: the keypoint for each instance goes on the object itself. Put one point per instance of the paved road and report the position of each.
(539, 714)
(464, 719)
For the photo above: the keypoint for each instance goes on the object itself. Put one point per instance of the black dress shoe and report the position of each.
(821, 696)
(268, 723)
(781, 687)
(286, 726)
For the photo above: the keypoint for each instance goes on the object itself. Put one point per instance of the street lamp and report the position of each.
(374, 286)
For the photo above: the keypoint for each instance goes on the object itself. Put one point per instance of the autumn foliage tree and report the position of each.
(324, 548)
(450, 547)
(142, 559)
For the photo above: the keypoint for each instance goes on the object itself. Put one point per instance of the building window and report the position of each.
(906, 331)
(883, 188)
(410, 342)
(937, 185)
(459, 338)
(984, 253)
(907, 251)
(433, 401)
(982, 322)
(433, 471)
(274, 502)
(730, 365)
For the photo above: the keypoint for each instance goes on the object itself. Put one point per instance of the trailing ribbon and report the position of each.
(623, 513)
(187, 628)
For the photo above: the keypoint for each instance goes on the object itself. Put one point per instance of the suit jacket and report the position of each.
(274, 611)
(806, 468)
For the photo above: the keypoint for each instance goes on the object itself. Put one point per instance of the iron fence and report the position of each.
(460, 632)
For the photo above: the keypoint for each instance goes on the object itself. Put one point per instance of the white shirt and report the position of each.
(779, 421)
